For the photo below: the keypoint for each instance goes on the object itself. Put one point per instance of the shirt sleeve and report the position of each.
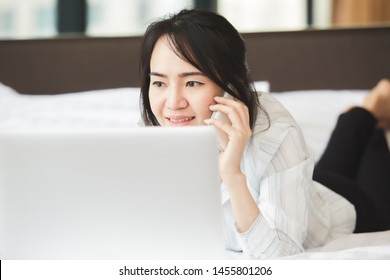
(281, 227)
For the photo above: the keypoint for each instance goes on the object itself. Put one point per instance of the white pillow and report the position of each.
(112, 108)
(316, 111)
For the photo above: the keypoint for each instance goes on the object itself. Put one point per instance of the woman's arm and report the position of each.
(244, 206)
(273, 224)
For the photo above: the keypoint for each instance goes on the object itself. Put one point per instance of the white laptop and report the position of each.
(142, 193)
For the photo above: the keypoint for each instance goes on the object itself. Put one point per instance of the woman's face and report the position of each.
(179, 93)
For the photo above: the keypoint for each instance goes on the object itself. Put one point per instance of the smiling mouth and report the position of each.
(181, 120)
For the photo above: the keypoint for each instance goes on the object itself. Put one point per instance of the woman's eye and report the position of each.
(193, 84)
(157, 84)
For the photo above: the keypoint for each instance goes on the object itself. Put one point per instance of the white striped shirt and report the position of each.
(296, 213)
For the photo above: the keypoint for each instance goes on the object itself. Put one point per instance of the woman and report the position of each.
(271, 205)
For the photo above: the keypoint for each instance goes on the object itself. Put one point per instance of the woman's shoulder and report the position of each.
(277, 143)
(272, 116)
(276, 127)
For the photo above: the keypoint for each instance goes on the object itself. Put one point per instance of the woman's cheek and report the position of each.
(156, 106)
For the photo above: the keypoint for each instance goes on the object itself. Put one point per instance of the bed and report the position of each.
(89, 83)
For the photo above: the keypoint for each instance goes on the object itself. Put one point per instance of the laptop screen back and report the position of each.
(145, 193)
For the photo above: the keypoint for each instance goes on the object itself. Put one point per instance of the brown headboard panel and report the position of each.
(294, 60)
(321, 59)
(69, 64)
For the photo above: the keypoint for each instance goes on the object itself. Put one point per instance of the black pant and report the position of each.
(356, 165)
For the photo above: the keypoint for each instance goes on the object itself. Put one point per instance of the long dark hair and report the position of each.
(210, 43)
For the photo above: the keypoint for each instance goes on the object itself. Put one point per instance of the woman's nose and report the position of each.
(176, 99)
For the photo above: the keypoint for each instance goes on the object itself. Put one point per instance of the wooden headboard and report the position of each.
(293, 60)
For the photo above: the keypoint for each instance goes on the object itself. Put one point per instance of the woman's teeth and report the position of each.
(182, 120)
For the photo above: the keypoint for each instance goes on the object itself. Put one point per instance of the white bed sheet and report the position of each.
(316, 112)
(358, 246)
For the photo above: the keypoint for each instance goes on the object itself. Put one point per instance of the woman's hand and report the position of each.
(238, 133)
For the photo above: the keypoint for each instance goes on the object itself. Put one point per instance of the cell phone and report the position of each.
(223, 138)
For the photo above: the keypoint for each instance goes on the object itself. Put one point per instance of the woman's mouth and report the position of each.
(177, 120)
